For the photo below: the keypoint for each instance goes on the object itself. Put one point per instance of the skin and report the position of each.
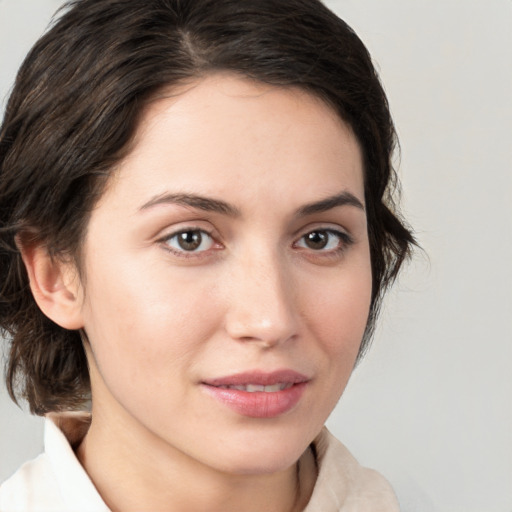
(161, 320)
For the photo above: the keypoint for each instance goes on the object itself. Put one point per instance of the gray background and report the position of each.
(431, 405)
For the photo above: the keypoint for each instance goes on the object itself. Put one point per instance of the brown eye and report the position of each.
(324, 240)
(316, 240)
(193, 240)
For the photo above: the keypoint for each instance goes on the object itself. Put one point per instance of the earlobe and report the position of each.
(55, 285)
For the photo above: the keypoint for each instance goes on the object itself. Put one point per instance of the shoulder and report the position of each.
(32, 487)
(344, 485)
(55, 481)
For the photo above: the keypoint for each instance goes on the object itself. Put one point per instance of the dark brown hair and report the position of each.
(75, 107)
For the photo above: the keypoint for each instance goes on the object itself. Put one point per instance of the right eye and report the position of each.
(189, 241)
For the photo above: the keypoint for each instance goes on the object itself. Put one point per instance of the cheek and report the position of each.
(341, 306)
(338, 315)
(145, 324)
(335, 313)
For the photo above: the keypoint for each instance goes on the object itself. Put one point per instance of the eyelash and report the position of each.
(344, 241)
(182, 252)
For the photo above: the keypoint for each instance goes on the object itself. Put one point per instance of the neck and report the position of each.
(133, 470)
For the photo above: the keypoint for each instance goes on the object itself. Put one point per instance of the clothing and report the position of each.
(56, 482)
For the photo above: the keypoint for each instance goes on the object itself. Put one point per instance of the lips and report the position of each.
(258, 394)
(255, 388)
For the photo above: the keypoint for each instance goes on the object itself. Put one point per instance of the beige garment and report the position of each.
(343, 485)
(56, 482)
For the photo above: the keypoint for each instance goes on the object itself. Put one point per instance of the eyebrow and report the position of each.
(343, 199)
(208, 204)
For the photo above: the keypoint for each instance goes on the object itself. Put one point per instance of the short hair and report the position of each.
(75, 107)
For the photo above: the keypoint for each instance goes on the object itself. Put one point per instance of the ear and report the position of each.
(55, 285)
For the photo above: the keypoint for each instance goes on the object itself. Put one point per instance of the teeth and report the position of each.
(252, 388)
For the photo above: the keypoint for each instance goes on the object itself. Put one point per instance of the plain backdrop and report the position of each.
(431, 405)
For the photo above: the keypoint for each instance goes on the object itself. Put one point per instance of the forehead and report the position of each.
(226, 134)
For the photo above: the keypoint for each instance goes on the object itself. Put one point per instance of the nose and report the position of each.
(262, 302)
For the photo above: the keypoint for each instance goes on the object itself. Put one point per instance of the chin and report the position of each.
(261, 465)
(263, 452)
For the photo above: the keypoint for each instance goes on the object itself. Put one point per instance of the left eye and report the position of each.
(322, 240)
(190, 240)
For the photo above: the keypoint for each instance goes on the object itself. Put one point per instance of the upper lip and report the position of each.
(258, 377)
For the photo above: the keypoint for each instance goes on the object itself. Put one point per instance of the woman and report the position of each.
(197, 228)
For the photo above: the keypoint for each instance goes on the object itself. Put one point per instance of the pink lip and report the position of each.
(258, 404)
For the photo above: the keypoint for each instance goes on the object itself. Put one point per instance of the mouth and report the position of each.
(258, 380)
(259, 394)
(259, 388)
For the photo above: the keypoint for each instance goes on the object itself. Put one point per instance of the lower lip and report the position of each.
(258, 404)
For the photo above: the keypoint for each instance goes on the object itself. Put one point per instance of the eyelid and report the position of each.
(164, 239)
(346, 240)
(323, 226)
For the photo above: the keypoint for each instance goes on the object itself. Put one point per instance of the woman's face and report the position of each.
(227, 275)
